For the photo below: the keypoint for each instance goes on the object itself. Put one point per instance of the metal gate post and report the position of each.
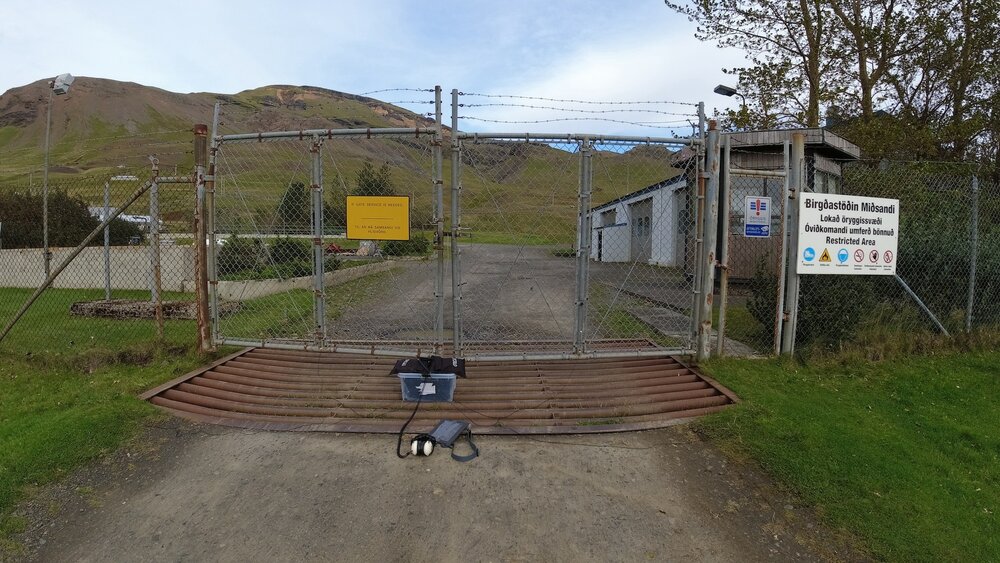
(201, 254)
(583, 242)
(724, 202)
(319, 300)
(438, 225)
(456, 223)
(796, 185)
(213, 246)
(154, 255)
(711, 225)
(107, 241)
(697, 206)
(973, 253)
(783, 260)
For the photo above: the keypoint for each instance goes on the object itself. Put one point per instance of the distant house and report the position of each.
(643, 226)
(143, 221)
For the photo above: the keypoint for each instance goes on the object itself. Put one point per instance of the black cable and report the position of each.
(399, 441)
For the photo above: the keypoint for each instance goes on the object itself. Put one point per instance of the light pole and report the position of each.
(107, 230)
(729, 92)
(58, 87)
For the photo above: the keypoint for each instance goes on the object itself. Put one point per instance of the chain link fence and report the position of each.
(131, 285)
(947, 274)
(281, 225)
(948, 264)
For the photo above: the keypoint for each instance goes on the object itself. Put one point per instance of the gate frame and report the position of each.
(705, 205)
(583, 242)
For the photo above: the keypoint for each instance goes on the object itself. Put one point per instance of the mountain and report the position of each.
(102, 124)
(104, 128)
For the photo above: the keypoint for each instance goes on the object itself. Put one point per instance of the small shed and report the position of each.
(762, 151)
(642, 226)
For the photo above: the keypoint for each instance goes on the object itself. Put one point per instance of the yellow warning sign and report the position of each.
(378, 217)
(825, 257)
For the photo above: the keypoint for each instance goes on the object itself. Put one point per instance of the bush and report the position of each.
(286, 250)
(831, 308)
(69, 222)
(238, 255)
(416, 246)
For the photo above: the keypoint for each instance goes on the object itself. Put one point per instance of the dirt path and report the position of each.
(198, 493)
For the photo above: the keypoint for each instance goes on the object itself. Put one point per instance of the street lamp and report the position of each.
(729, 91)
(57, 87)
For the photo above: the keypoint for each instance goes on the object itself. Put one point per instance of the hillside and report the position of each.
(104, 128)
(105, 124)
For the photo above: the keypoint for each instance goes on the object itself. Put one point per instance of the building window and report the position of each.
(609, 217)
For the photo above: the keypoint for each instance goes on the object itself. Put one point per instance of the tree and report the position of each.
(788, 43)
(70, 222)
(294, 210)
(374, 182)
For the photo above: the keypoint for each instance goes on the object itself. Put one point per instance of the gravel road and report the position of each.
(190, 492)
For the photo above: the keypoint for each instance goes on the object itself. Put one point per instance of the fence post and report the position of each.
(697, 208)
(710, 228)
(796, 184)
(724, 201)
(779, 306)
(107, 241)
(583, 246)
(973, 251)
(154, 254)
(201, 254)
(456, 224)
(438, 225)
(319, 266)
(213, 246)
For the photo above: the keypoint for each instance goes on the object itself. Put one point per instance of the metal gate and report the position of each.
(534, 257)
(753, 254)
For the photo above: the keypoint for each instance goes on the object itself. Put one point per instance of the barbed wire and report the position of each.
(578, 110)
(396, 90)
(652, 124)
(561, 100)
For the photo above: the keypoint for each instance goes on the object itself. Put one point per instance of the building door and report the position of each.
(642, 242)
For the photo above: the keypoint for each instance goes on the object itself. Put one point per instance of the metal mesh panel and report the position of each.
(642, 251)
(263, 240)
(106, 298)
(519, 214)
(393, 302)
(948, 257)
(754, 263)
(266, 225)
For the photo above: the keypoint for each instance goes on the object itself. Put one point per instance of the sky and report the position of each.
(611, 50)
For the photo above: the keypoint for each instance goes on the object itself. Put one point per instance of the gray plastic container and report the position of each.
(434, 388)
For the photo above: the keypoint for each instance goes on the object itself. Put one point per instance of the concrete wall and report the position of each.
(130, 267)
(252, 289)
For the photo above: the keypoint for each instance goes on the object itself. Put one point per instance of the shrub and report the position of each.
(240, 254)
(286, 250)
(416, 246)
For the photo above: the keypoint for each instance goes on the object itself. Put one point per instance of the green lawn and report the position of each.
(69, 385)
(903, 454)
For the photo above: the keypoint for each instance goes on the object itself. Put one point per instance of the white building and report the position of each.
(646, 225)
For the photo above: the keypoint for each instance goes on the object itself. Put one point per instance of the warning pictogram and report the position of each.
(874, 256)
(888, 256)
(859, 255)
(825, 257)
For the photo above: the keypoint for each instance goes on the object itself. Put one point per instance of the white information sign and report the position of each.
(757, 217)
(848, 235)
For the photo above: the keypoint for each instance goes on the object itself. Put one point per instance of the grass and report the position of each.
(608, 317)
(69, 385)
(903, 454)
